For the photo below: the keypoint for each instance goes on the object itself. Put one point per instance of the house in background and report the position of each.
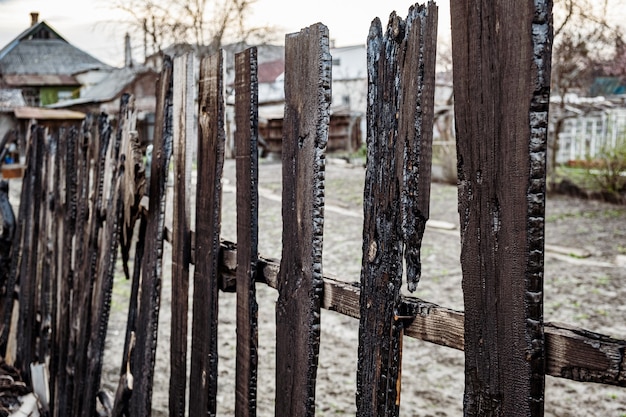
(50, 72)
(105, 97)
(10, 99)
(46, 67)
(348, 106)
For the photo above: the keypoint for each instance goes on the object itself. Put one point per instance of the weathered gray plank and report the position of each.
(246, 150)
(396, 197)
(305, 135)
(184, 120)
(211, 137)
(501, 54)
(149, 305)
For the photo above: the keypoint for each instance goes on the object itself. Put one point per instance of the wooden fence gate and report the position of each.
(83, 192)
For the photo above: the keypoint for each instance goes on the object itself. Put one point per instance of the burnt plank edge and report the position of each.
(211, 142)
(246, 140)
(183, 124)
(305, 135)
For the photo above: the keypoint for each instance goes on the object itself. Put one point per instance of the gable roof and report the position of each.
(40, 50)
(109, 88)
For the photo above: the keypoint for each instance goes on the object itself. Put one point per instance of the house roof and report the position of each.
(109, 88)
(40, 50)
(269, 71)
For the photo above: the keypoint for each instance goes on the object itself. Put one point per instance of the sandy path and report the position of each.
(578, 292)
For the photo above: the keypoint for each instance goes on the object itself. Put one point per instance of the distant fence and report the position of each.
(89, 185)
(591, 132)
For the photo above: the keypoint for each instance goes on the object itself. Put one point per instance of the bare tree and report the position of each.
(583, 37)
(203, 24)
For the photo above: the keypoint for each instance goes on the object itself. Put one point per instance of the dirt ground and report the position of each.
(587, 290)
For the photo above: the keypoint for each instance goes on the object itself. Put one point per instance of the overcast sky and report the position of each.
(94, 27)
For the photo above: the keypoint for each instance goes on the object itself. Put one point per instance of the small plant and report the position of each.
(608, 169)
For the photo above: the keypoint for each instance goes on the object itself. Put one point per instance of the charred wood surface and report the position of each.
(305, 134)
(501, 55)
(246, 151)
(144, 354)
(401, 70)
(211, 138)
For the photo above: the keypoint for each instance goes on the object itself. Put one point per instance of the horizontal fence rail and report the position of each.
(94, 189)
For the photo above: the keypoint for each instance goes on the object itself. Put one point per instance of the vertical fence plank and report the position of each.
(119, 196)
(60, 324)
(246, 137)
(27, 319)
(396, 198)
(305, 135)
(85, 277)
(417, 96)
(150, 294)
(184, 120)
(211, 138)
(71, 190)
(11, 302)
(501, 54)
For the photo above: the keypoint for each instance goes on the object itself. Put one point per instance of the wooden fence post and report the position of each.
(401, 68)
(246, 151)
(211, 137)
(149, 304)
(305, 134)
(26, 330)
(501, 55)
(184, 134)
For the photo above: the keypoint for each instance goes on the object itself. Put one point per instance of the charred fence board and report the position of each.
(184, 121)
(501, 55)
(305, 135)
(396, 196)
(144, 353)
(27, 327)
(211, 137)
(246, 151)
(72, 202)
(60, 317)
(85, 276)
(120, 160)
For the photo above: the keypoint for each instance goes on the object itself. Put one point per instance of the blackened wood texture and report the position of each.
(184, 123)
(401, 69)
(305, 135)
(150, 293)
(27, 327)
(74, 205)
(246, 151)
(102, 280)
(211, 137)
(84, 280)
(61, 322)
(501, 55)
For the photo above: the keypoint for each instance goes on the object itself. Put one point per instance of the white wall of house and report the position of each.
(349, 86)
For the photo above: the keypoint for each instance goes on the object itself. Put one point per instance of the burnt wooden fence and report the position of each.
(84, 199)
